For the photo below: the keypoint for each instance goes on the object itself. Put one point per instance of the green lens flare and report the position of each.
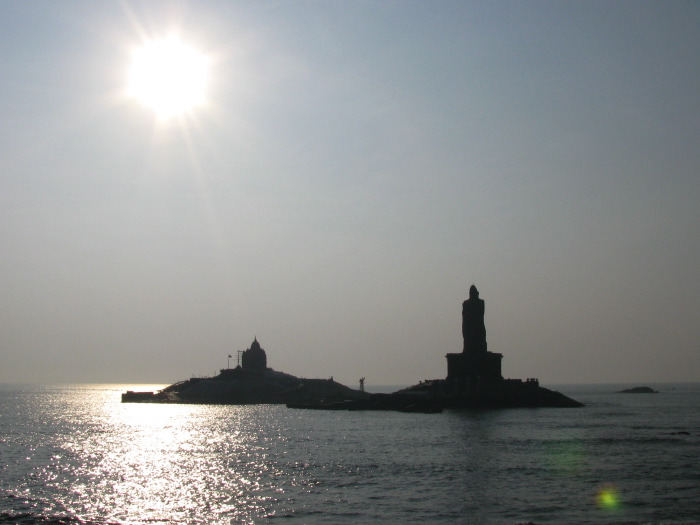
(608, 498)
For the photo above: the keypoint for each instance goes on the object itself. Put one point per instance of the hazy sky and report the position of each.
(357, 166)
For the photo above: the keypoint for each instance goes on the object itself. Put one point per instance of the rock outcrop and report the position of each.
(250, 383)
(638, 390)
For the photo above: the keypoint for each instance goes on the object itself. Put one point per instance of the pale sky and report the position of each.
(355, 167)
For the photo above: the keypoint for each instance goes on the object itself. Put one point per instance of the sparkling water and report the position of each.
(71, 454)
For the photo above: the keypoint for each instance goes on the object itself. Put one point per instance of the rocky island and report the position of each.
(474, 380)
(639, 390)
(251, 382)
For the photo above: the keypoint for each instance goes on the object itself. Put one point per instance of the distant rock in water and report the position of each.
(639, 390)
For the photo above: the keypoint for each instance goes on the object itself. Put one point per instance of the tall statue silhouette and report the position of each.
(473, 328)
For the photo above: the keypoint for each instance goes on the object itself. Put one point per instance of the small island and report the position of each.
(474, 378)
(251, 382)
(638, 390)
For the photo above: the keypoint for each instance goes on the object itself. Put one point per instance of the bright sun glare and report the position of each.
(168, 76)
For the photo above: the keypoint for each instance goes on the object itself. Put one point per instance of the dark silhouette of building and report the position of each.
(473, 380)
(254, 358)
(475, 366)
(252, 382)
(473, 327)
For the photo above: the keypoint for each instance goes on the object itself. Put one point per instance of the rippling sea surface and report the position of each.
(75, 454)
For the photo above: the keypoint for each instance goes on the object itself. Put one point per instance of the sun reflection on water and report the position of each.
(169, 463)
(77, 452)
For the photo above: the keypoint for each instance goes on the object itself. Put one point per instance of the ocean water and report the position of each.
(75, 454)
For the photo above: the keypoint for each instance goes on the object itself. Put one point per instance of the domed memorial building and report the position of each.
(251, 382)
(254, 358)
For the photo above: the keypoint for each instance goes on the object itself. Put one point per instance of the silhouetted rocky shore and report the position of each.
(474, 381)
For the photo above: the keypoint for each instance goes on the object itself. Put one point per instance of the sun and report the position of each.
(168, 76)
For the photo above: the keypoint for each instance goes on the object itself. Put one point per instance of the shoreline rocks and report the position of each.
(638, 390)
